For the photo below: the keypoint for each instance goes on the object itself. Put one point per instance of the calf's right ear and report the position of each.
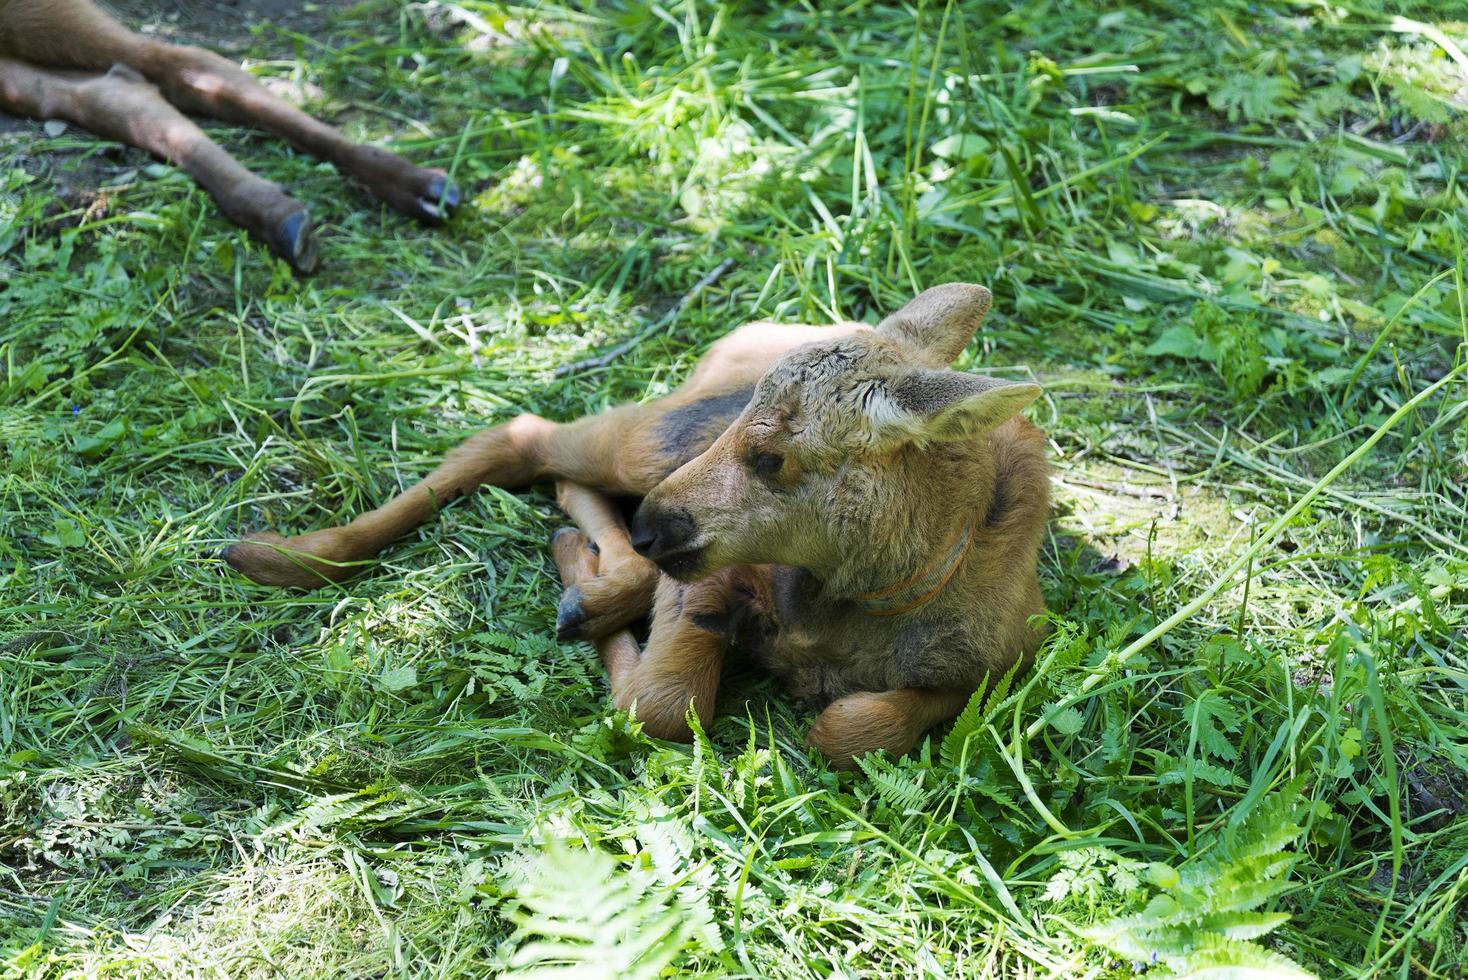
(940, 322)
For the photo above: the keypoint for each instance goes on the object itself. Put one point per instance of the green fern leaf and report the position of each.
(1253, 98)
(902, 791)
(982, 707)
(1220, 958)
(965, 726)
(1202, 924)
(579, 916)
(1244, 925)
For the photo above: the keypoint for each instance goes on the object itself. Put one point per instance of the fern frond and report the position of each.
(982, 706)
(1220, 958)
(901, 790)
(371, 808)
(580, 916)
(1244, 925)
(968, 723)
(1202, 925)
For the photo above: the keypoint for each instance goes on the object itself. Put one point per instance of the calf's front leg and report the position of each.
(577, 563)
(871, 720)
(683, 659)
(621, 588)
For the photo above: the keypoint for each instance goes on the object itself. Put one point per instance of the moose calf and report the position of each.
(833, 501)
(67, 59)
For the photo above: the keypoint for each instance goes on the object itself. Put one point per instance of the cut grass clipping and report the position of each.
(1227, 238)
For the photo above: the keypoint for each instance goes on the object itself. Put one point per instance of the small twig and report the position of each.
(602, 360)
(1144, 491)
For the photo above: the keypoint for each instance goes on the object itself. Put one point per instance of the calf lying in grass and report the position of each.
(834, 501)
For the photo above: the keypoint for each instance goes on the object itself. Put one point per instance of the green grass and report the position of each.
(1227, 238)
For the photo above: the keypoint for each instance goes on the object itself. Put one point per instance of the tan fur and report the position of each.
(622, 585)
(886, 461)
(68, 59)
(888, 720)
(577, 563)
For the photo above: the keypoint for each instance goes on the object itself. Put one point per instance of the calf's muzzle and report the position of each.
(666, 536)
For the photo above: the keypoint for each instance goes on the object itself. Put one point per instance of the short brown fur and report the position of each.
(832, 501)
(69, 60)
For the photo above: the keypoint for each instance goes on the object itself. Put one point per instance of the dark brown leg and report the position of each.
(202, 82)
(122, 106)
(73, 34)
(890, 720)
(77, 34)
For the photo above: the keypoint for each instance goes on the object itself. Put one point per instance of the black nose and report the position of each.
(644, 538)
(656, 532)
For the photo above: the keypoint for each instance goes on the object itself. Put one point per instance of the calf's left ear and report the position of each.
(941, 405)
(939, 322)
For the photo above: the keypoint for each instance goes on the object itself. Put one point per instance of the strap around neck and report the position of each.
(920, 588)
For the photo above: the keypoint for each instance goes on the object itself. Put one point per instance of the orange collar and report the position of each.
(920, 588)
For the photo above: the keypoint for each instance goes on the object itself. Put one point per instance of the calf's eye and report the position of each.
(768, 464)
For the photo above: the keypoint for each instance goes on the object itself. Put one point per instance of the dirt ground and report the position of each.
(221, 24)
(224, 25)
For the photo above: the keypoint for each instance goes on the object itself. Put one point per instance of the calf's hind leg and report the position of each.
(508, 455)
(122, 106)
(871, 720)
(605, 451)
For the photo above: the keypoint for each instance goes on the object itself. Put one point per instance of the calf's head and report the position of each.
(842, 442)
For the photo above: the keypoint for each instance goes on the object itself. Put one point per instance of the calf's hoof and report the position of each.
(439, 202)
(294, 240)
(269, 559)
(570, 615)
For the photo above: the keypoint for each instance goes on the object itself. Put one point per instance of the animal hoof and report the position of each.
(570, 616)
(269, 559)
(295, 241)
(440, 201)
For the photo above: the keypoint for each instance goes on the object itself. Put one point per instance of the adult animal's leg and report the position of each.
(79, 35)
(121, 105)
